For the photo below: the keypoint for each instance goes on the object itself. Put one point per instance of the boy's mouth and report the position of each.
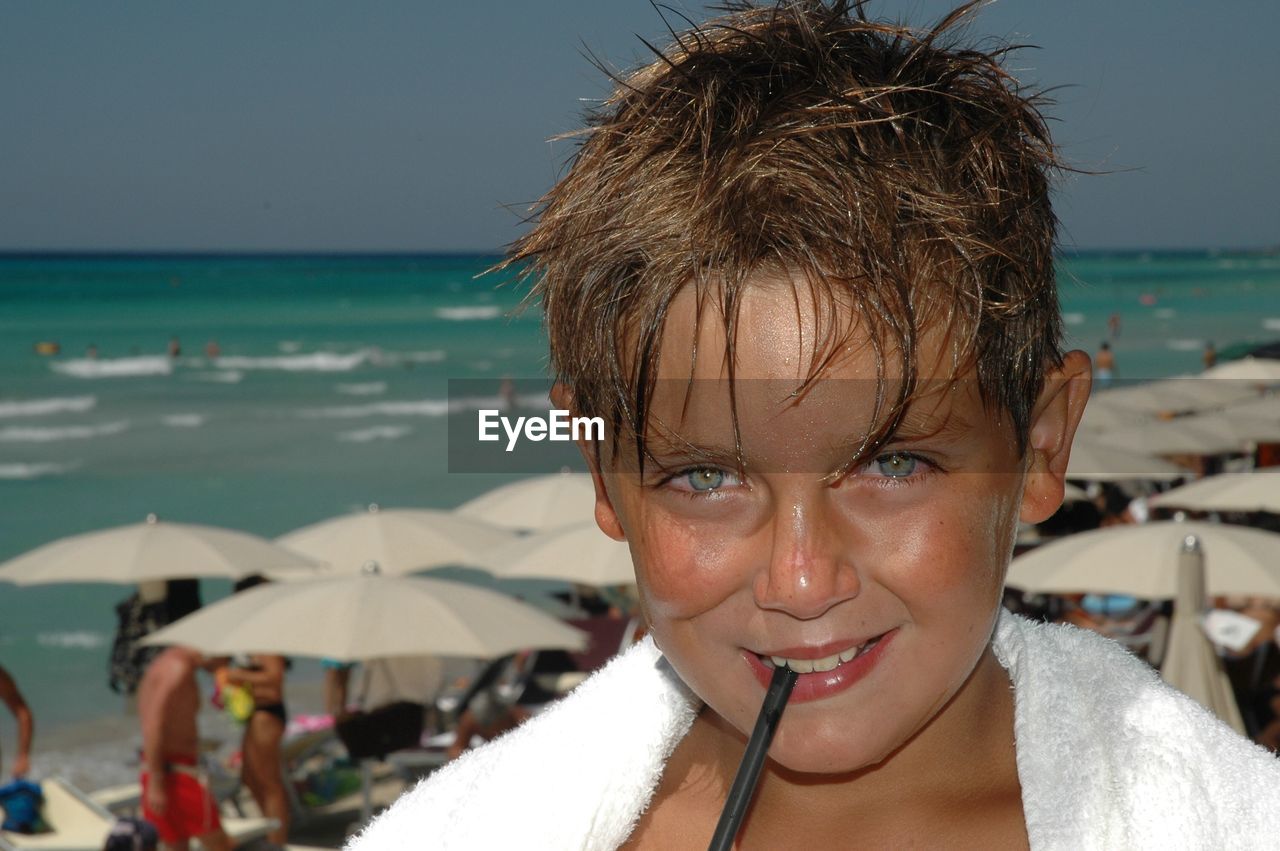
(821, 664)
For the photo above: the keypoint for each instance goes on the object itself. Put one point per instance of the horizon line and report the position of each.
(108, 253)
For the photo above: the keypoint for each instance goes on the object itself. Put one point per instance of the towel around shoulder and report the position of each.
(1108, 757)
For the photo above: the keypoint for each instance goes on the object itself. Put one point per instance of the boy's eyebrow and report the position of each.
(921, 426)
(915, 426)
(659, 445)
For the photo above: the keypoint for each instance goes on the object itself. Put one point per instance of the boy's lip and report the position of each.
(821, 684)
(817, 651)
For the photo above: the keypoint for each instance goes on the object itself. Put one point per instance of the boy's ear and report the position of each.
(1054, 418)
(606, 516)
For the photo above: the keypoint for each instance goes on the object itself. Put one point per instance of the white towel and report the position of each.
(577, 775)
(1108, 757)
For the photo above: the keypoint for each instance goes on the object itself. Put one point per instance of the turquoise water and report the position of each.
(329, 394)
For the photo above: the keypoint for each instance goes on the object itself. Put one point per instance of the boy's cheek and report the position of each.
(685, 570)
(940, 548)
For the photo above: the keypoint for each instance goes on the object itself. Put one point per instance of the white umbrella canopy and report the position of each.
(1260, 407)
(369, 616)
(579, 553)
(1180, 393)
(1191, 664)
(154, 550)
(1095, 461)
(1141, 561)
(1197, 434)
(541, 502)
(1255, 491)
(399, 540)
(1100, 416)
(1251, 371)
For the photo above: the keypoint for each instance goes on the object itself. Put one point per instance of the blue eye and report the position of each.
(704, 479)
(896, 465)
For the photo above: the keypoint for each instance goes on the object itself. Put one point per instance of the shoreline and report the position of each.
(101, 752)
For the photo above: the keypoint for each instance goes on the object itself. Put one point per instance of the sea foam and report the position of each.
(49, 434)
(423, 408)
(469, 313)
(369, 388)
(313, 362)
(45, 407)
(219, 376)
(366, 435)
(115, 367)
(35, 470)
(76, 639)
(184, 420)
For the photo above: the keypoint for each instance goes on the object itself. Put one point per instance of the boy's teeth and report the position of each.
(827, 663)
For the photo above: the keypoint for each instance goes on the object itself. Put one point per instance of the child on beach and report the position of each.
(802, 263)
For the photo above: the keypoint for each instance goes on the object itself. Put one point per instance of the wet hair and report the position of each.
(894, 173)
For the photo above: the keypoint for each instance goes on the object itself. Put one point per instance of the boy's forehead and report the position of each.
(783, 331)
(786, 395)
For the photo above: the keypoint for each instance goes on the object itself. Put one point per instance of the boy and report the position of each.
(802, 263)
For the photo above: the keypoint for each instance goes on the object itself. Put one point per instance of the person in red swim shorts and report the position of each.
(173, 798)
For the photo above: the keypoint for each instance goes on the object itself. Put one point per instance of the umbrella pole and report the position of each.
(366, 791)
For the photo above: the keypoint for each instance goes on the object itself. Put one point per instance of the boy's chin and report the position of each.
(808, 754)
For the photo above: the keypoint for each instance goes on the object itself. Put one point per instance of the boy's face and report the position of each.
(902, 555)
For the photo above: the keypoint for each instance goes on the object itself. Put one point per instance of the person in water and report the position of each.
(802, 265)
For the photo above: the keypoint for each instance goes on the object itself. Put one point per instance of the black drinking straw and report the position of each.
(744, 783)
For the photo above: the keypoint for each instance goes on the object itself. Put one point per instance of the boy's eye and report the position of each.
(702, 480)
(895, 465)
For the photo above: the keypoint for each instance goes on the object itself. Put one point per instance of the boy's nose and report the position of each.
(808, 571)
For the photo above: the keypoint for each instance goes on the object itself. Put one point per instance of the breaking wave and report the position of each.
(45, 407)
(369, 388)
(49, 434)
(469, 313)
(115, 367)
(366, 435)
(36, 470)
(313, 362)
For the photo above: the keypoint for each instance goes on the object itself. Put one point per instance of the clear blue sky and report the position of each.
(340, 126)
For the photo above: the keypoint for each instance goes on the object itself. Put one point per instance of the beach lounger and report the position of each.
(76, 822)
(79, 823)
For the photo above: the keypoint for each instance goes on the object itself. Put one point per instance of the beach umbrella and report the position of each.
(1101, 417)
(369, 616)
(399, 540)
(1095, 461)
(1196, 434)
(1263, 408)
(1249, 371)
(154, 550)
(1191, 665)
(1180, 393)
(541, 502)
(1255, 491)
(1141, 560)
(579, 553)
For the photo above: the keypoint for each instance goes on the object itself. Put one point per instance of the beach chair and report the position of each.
(76, 822)
(79, 823)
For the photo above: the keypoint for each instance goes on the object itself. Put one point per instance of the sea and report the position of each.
(303, 387)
